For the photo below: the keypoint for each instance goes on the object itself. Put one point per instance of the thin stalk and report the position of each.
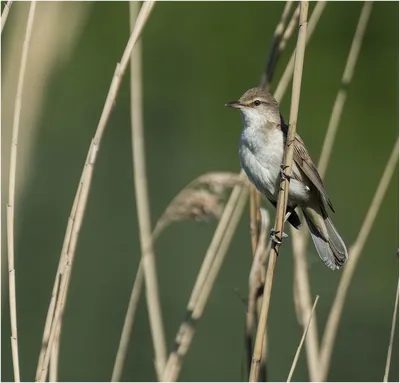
(11, 191)
(302, 293)
(289, 30)
(128, 325)
(256, 278)
(287, 74)
(300, 240)
(4, 14)
(279, 44)
(279, 40)
(255, 203)
(61, 265)
(83, 190)
(187, 329)
(266, 77)
(296, 357)
(215, 243)
(55, 354)
(283, 191)
(276, 47)
(389, 353)
(208, 179)
(342, 94)
(354, 256)
(143, 204)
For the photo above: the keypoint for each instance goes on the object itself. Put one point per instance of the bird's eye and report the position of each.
(257, 102)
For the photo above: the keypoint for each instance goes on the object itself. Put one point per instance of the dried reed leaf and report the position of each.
(217, 181)
(190, 204)
(201, 199)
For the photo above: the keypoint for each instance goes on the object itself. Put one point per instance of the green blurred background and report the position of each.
(196, 57)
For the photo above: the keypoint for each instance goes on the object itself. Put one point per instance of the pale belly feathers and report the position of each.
(261, 157)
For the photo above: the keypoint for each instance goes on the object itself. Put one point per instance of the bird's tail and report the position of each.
(327, 240)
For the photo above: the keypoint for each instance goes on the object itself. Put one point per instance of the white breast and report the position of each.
(261, 157)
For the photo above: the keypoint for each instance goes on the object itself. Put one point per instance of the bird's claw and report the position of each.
(274, 238)
(283, 174)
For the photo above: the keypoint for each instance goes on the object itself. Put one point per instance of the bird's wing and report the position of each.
(305, 163)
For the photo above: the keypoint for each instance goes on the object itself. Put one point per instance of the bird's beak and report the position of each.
(235, 104)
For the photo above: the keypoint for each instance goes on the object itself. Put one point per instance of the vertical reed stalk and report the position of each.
(345, 82)
(296, 357)
(300, 239)
(84, 187)
(389, 353)
(4, 14)
(11, 191)
(354, 255)
(283, 191)
(143, 205)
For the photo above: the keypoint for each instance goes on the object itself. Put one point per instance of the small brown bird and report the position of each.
(261, 151)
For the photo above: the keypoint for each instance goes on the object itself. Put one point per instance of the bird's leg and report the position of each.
(274, 238)
(283, 174)
(273, 233)
(288, 212)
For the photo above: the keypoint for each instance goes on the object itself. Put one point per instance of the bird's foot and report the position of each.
(283, 174)
(274, 236)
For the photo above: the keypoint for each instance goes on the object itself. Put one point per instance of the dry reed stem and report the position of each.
(128, 325)
(302, 298)
(300, 239)
(55, 351)
(354, 255)
(11, 191)
(51, 310)
(255, 203)
(265, 81)
(83, 190)
(188, 204)
(217, 181)
(214, 245)
(256, 281)
(266, 77)
(4, 14)
(65, 274)
(257, 271)
(305, 331)
(143, 204)
(222, 238)
(56, 286)
(287, 74)
(389, 353)
(342, 94)
(279, 44)
(276, 48)
(55, 354)
(221, 253)
(283, 192)
(289, 30)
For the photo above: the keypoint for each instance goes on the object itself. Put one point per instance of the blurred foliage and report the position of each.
(197, 56)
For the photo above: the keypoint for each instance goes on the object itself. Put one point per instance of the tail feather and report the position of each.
(327, 241)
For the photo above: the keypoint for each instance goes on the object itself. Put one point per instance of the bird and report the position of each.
(261, 151)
